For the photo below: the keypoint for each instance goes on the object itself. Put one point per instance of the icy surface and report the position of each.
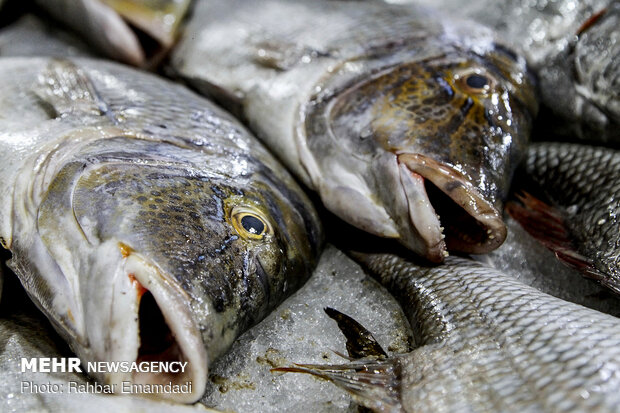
(300, 332)
(296, 332)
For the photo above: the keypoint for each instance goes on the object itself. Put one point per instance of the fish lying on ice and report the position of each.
(522, 257)
(486, 343)
(138, 32)
(581, 222)
(407, 125)
(146, 223)
(574, 47)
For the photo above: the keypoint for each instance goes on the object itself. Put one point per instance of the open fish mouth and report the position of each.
(167, 333)
(446, 209)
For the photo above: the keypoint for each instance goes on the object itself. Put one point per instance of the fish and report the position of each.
(570, 201)
(574, 48)
(136, 32)
(485, 342)
(144, 221)
(30, 35)
(522, 257)
(408, 125)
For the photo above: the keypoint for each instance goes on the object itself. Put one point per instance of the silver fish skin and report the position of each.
(33, 36)
(137, 32)
(145, 222)
(408, 125)
(580, 223)
(574, 47)
(522, 257)
(486, 343)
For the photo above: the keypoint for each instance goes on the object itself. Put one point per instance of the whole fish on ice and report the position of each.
(407, 124)
(146, 223)
(485, 343)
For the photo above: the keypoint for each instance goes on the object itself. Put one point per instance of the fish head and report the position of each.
(592, 95)
(174, 262)
(435, 140)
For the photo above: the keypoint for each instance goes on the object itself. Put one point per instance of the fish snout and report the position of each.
(447, 210)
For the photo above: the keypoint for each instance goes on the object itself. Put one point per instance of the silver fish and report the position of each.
(522, 257)
(574, 46)
(138, 32)
(146, 223)
(32, 36)
(578, 217)
(408, 125)
(486, 343)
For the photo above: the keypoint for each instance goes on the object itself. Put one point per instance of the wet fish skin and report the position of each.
(124, 200)
(574, 48)
(582, 185)
(486, 342)
(370, 103)
(33, 36)
(137, 32)
(522, 257)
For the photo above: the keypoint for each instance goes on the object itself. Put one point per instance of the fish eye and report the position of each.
(249, 223)
(476, 82)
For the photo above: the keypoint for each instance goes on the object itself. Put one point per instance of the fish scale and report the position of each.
(500, 346)
(123, 204)
(582, 183)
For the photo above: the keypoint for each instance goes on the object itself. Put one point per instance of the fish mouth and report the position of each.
(167, 333)
(447, 210)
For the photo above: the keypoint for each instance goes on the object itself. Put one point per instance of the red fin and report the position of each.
(591, 21)
(547, 225)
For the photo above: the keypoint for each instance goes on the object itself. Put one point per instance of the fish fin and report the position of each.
(547, 225)
(372, 384)
(360, 342)
(67, 89)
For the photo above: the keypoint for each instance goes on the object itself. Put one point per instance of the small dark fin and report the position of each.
(66, 88)
(372, 384)
(360, 342)
(547, 225)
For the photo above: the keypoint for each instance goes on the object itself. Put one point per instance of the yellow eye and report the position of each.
(249, 223)
(476, 82)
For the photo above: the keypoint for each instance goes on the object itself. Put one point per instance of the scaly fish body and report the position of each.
(371, 105)
(522, 257)
(138, 32)
(582, 184)
(574, 46)
(486, 343)
(144, 221)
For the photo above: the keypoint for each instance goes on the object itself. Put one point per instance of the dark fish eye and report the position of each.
(249, 223)
(476, 81)
(252, 224)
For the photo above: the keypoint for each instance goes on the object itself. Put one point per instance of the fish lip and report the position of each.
(172, 302)
(464, 194)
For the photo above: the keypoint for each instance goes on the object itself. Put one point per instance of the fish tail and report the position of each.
(373, 384)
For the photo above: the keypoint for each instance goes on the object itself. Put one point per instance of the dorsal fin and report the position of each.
(360, 342)
(67, 89)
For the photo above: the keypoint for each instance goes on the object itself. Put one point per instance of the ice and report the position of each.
(300, 332)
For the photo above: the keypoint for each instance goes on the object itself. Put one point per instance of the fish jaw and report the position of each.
(150, 321)
(480, 227)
